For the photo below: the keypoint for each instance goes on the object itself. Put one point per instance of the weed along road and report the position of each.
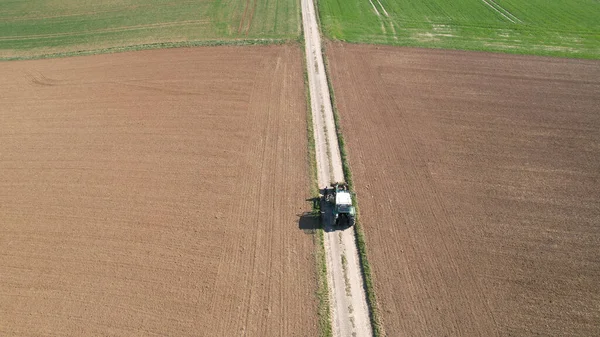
(350, 314)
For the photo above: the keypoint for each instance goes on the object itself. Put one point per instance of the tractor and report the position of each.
(339, 196)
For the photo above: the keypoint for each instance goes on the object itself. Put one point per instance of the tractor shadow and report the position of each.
(309, 222)
(320, 217)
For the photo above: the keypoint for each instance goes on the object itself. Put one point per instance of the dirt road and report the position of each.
(478, 176)
(350, 315)
(155, 193)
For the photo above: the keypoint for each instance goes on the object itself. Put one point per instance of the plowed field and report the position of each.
(155, 193)
(478, 180)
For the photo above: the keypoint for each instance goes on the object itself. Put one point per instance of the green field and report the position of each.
(543, 27)
(36, 27)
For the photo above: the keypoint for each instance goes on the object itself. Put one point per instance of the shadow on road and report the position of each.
(333, 228)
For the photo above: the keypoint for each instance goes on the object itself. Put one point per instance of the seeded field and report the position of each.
(36, 27)
(478, 181)
(156, 193)
(544, 27)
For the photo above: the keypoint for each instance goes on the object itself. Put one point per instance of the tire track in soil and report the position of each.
(241, 24)
(385, 18)
(251, 20)
(247, 17)
(263, 244)
(502, 11)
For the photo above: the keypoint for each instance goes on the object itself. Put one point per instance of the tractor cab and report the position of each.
(343, 212)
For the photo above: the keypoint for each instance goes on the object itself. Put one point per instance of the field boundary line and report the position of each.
(150, 46)
(324, 305)
(375, 318)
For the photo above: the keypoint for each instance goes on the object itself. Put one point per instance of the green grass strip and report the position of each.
(161, 45)
(325, 329)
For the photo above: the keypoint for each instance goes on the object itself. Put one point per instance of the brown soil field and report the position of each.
(156, 193)
(478, 181)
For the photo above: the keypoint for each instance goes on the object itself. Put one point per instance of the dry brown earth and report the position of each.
(478, 178)
(155, 193)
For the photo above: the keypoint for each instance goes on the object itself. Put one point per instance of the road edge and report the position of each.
(322, 293)
(350, 309)
(375, 318)
(151, 46)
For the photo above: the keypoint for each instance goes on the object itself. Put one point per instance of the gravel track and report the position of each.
(350, 314)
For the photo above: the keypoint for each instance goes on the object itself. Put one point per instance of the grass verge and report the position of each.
(360, 235)
(323, 288)
(161, 45)
(324, 309)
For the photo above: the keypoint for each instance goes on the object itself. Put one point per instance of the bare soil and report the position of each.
(156, 193)
(478, 180)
